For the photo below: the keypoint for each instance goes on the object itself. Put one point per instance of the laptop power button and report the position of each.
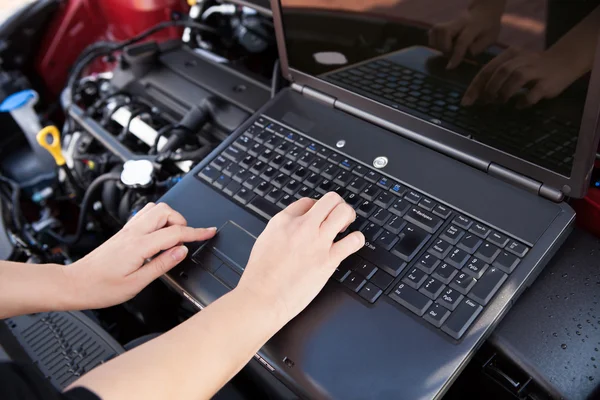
(380, 162)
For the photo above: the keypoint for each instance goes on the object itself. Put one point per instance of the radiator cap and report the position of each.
(137, 173)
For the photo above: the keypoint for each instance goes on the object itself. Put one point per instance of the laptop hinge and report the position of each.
(525, 182)
(315, 95)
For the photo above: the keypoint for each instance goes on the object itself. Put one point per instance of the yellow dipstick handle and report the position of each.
(49, 138)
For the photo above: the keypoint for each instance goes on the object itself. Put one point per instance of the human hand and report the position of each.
(545, 75)
(117, 270)
(474, 31)
(295, 255)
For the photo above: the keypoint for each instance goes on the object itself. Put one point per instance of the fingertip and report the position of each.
(179, 253)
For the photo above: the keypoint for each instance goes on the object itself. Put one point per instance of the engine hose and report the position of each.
(86, 203)
(125, 206)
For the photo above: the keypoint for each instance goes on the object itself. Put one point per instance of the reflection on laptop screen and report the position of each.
(512, 74)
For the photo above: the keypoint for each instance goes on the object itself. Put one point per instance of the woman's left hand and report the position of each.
(119, 269)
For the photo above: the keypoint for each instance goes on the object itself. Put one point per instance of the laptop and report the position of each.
(456, 228)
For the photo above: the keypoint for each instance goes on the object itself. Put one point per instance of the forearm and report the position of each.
(195, 359)
(495, 6)
(578, 47)
(30, 288)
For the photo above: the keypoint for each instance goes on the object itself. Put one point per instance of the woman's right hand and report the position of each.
(473, 32)
(295, 255)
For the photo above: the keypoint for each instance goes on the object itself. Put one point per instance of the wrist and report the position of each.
(61, 296)
(271, 307)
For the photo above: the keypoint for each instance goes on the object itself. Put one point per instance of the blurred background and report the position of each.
(8, 6)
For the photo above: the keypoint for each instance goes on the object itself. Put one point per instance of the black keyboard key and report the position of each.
(354, 282)
(234, 154)
(432, 288)
(382, 279)
(262, 188)
(274, 195)
(219, 163)
(360, 170)
(395, 224)
(427, 263)
(312, 146)
(436, 315)
(347, 164)
(252, 182)
(292, 187)
(462, 222)
(267, 155)
(221, 181)
(277, 161)
(398, 189)
(412, 239)
(269, 173)
(413, 197)
(487, 286)
(313, 180)
(343, 270)
(244, 195)
(457, 258)
(334, 158)
(427, 204)
(286, 200)
(517, 249)
(470, 243)
(384, 260)
(247, 162)
(330, 172)
(372, 176)
(306, 159)
(300, 174)
(294, 153)
(280, 181)
(442, 211)
(232, 188)
(452, 235)
(371, 231)
(384, 183)
(273, 142)
(415, 278)
(325, 186)
(386, 240)
(423, 219)
(258, 167)
(364, 268)
(399, 207)
(262, 136)
(357, 225)
(317, 165)
(370, 192)
(353, 200)
(506, 262)
(288, 167)
(411, 299)
(384, 199)
(324, 152)
(498, 239)
(440, 249)
(450, 299)
(480, 230)
(370, 292)
(460, 320)
(463, 283)
(263, 208)
(304, 191)
(445, 273)
(242, 175)
(283, 148)
(366, 209)
(301, 142)
(357, 185)
(209, 174)
(380, 216)
(343, 178)
(475, 267)
(488, 252)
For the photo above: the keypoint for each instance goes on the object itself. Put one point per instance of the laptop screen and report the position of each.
(511, 74)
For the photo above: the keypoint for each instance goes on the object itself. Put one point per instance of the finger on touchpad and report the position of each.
(232, 244)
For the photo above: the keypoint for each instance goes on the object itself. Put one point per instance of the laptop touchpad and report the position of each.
(232, 244)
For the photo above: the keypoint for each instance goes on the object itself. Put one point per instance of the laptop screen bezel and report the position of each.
(431, 135)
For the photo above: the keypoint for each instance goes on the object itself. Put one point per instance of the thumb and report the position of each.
(161, 264)
(347, 246)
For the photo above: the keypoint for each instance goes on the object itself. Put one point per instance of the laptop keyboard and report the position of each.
(437, 263)
(537, 136)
